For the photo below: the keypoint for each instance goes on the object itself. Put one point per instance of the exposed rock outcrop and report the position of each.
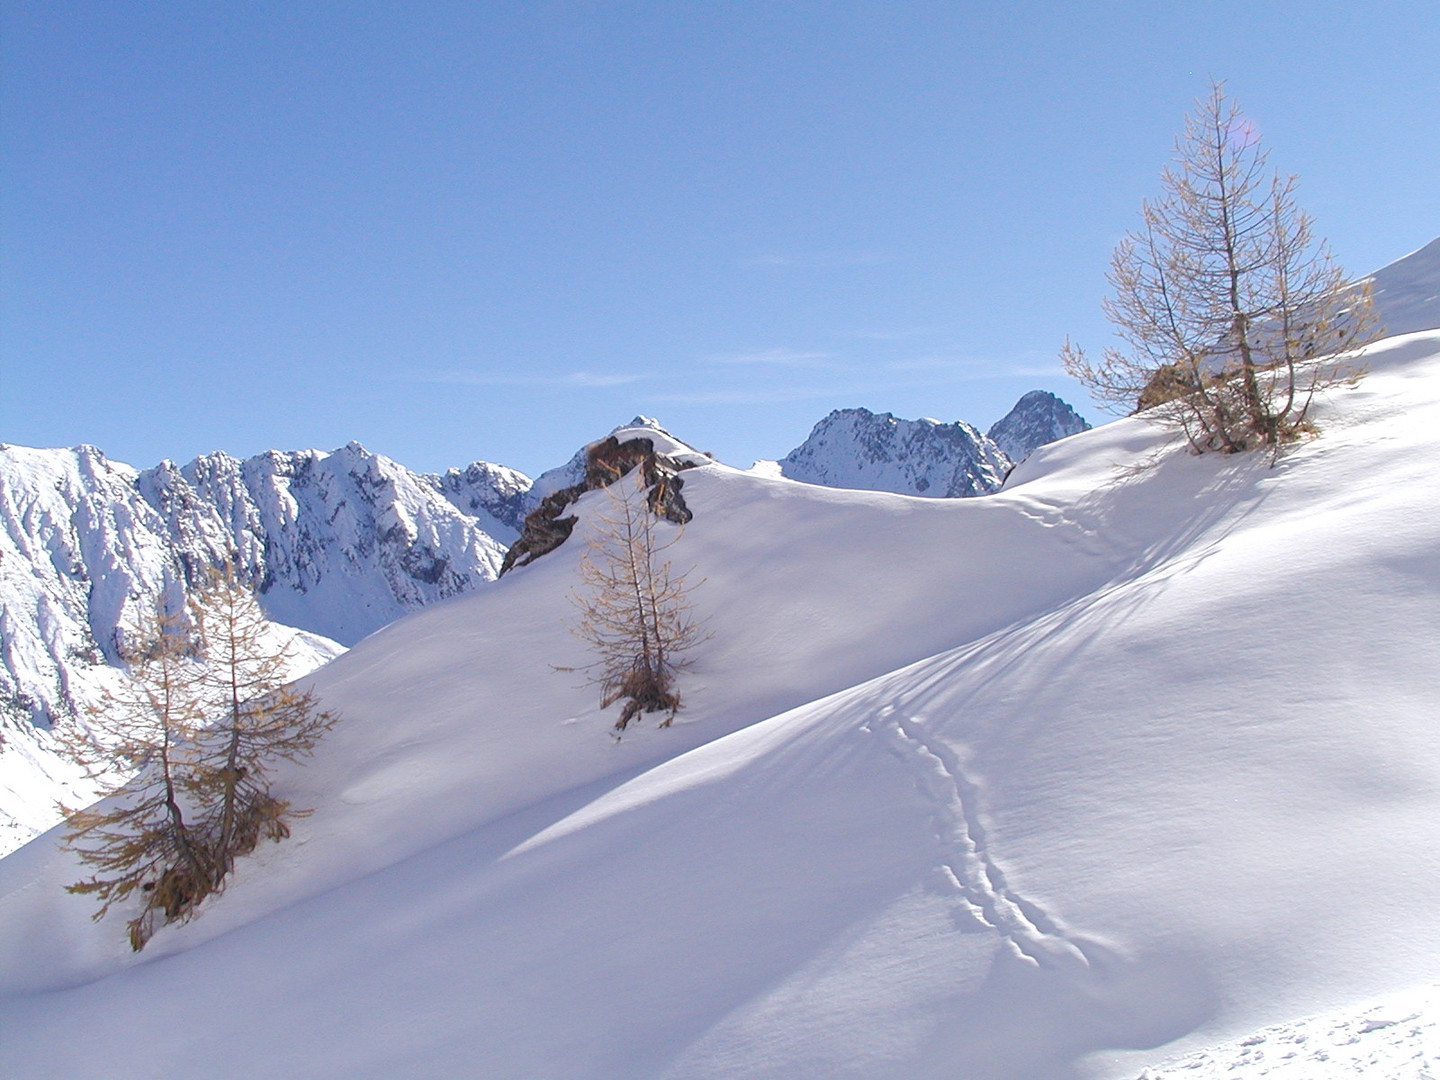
(606, 461)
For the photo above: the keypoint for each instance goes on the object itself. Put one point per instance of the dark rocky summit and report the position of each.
(1037, 418)
(606, 461)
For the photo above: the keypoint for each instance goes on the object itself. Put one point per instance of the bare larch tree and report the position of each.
(1234, 314)
(258, 719)
(635, 612)
(200, 724)
(145, 838)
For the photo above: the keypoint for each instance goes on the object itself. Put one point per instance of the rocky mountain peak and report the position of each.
(342, 543)
(1039, 417)
(856, 448)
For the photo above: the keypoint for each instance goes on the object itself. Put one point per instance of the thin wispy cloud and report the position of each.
(578, 379)
(970, 369)
(778, 358)
(746, 395)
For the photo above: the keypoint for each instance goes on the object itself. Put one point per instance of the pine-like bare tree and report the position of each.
(257, 720)
(144, 838)
(1234, 313)
(635, 611)
(202, 720)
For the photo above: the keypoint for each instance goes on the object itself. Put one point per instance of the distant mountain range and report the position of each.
(339, 544)
(1135, 758)
(855, 448)
(343, 543)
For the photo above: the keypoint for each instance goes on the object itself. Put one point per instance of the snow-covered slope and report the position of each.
(855, 448)
(1038, 418)
(1406, 293)
(342, 543)
(1133, 757)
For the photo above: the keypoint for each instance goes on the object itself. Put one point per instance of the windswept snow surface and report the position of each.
(1407, 292)
(1135, 757)
(1394, 1039)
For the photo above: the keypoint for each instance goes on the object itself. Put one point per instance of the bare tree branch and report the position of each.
(1233, 314)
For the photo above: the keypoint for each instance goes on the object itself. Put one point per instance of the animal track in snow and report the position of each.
(1089, 540)
(967, 869)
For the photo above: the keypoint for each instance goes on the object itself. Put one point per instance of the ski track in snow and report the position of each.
(967, 870)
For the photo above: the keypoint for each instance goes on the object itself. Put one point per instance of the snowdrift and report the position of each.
(1137, 755)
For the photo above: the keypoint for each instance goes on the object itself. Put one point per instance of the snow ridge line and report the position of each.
(966, 868)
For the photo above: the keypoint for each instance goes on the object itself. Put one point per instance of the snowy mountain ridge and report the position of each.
(573, 471)
(856, 448)
(1014, 788)
(340, 544)
(1038, 418)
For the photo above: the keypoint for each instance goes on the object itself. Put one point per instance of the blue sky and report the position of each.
(495, 230)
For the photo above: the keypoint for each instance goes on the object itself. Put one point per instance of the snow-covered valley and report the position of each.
(1132, 758)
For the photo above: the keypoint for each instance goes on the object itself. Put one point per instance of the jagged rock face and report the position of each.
(79, 544)
(1037, 418)
(603, 463)
(341, 544)
(81, 547)
(573, 471)
(349, 541)
(855, 448)
(482, 488)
